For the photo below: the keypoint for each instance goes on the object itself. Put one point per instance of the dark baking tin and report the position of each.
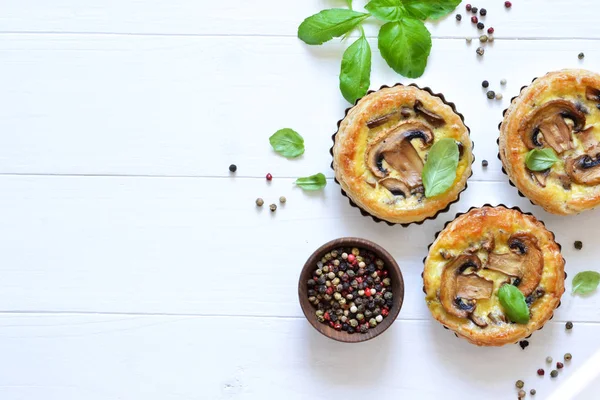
(508, 208)
(441, 97)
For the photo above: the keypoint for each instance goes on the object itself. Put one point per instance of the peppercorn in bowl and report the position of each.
(494, 275)
(351, 290)
(402, 154)
(549, 141)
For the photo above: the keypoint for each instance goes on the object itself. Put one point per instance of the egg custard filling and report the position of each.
(382, 145)
(479, 252)
(561, 112)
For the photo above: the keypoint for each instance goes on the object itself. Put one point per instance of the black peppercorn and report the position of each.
(569, 325)
(480, 25)
(474, 10)
(578, 244)
(484, 163)
(491, 94)
(483, 12)
(523, 344)
(532, 392)
(458, 17)
(580, 56)
(480, 51)
(554, 373)
(485, 84)
(233, 168)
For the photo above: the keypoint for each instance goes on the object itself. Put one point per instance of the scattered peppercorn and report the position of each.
(474, 19)
(578, 244)
(458, 17)
(521, 394)
(483, 38)
(484, 163)
(568, 357)
(469, 40)
(474, 10)
(580, 56)
(559, 365)
(490, 30)
(491, 94)
(503, 81)
(485, 84)
(483, 12)
(549, 360)
(499, 96)
(480, 25)
(468, 7)
(532, 392)
(282, 199)
(491, 39)
(524, 343)
(507, 4)
(233, 168)
(480, 51)
(260, 202)
(520, 384)
(269, 177)
(569, 325)
(540, 372)
(273, 207)
(554, 373)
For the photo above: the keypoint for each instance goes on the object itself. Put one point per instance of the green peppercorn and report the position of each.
(260, 202)
(569, 325)
(549, 360)
(353, 323)
(568, 357)
(326, 268)
(491, 94)
(364, 328)
(388, 295)
(386, 281)
(273, 207)
(335, 281)
(282, 199)
(373, 322)
(499, 96)
(360, 316)
(337, 295)
(468, 40)
(519, 384)
(319, 272)
(480, 51)
(554, 373)
(503, 82)
(331, 275)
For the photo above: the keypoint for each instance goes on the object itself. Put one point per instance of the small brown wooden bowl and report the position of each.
(393, 272)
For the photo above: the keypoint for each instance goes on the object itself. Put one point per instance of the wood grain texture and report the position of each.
(89, 104)
(526, 19)
(109, 357)
(396, 287)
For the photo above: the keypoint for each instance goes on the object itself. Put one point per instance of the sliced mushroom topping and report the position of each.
(584, 169)
(497, 318)
(395, 148)
(404, 112)
(564, 180)
(459, 293)
(592, 94)
(537, 294)
(429, 116)
(588, 139)
(395, 186)
(479, 321)
(549, 121)
(540, 177)
(525, 262)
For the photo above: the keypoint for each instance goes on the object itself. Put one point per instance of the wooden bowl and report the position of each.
(393, 272)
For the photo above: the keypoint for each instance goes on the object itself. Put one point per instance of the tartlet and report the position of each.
(381, 146)
(559, 111)
(477, 253)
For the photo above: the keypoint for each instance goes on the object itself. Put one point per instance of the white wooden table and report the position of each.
(133, 265)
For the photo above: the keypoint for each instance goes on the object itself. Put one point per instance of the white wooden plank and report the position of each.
(200, 246)
(190, 106)
(97, 357)
(531, 18)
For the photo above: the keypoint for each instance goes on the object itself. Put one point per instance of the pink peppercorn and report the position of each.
(351, 258)
(474, 19)
(507, 4)
(540, 372)
(490, 30)
(559, 365)
(269, 177)
(468, 7)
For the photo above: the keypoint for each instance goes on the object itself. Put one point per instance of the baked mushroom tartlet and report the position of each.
(494, 275)
(382, 154)
(549, 141)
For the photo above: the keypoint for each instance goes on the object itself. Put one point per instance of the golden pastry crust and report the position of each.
(467, 235)
(355, 139)
(560, 193)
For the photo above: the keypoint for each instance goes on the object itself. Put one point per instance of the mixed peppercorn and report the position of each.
(351, 290)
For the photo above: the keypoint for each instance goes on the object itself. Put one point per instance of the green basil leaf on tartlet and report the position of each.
(287, 142)
(585, 282)
(324, 26)
(312, 183)
(386, 10)
(355, 74)
(430, 9)
(405, 46)
(514, 304)
(439, 171)
(540, 160)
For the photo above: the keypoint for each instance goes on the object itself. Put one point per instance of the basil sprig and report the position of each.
(313, 182)
(404, 41)
(540, 160)
(585, 282)
(513, 303)
(439, 171)
(287, 142)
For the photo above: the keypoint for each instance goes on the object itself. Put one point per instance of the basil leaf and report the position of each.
(405, 46)
(313, 182)
(513, 303)
(539, 160)
(355, 75)
(585, 282)
(287, 142)
(439, 171)
(432, 9)
(386, 10)
(327, 24)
